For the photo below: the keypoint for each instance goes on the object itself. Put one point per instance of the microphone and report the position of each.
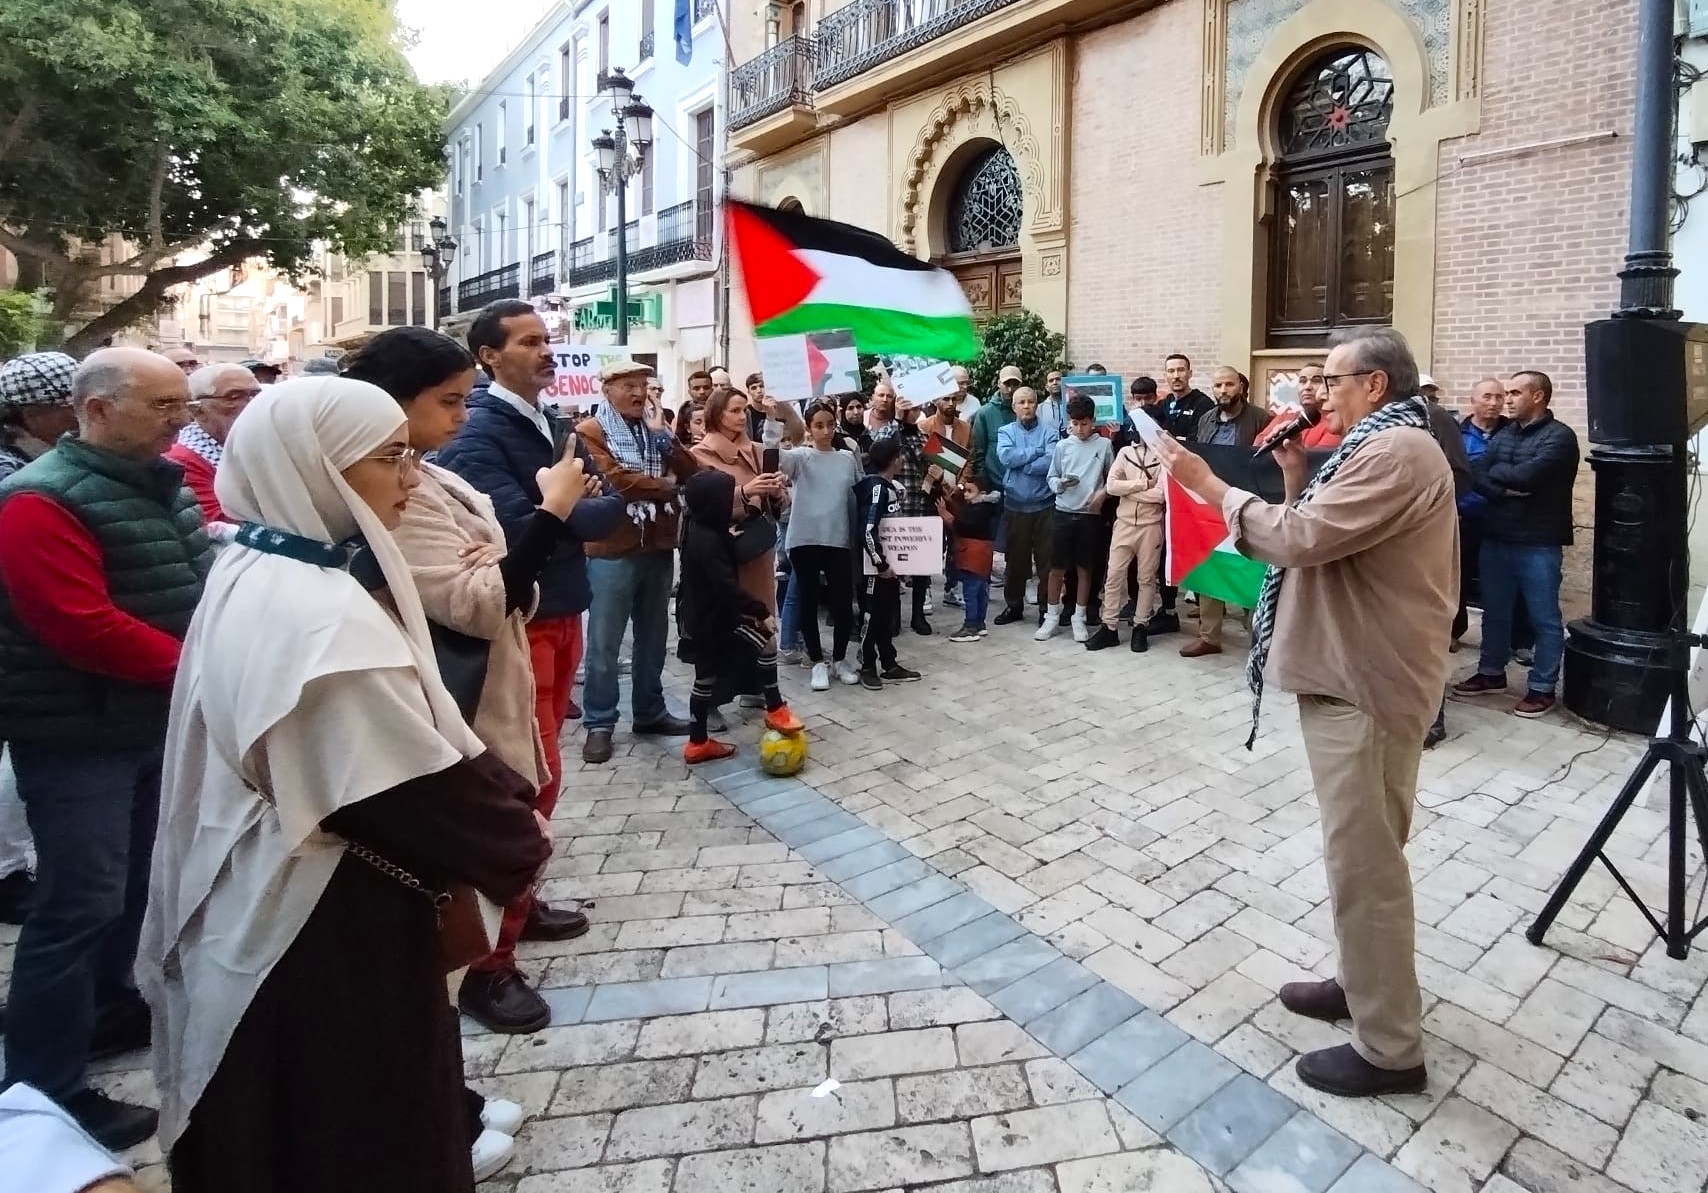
(1292, 430)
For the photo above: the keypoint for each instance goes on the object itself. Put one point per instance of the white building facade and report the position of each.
(527, 207)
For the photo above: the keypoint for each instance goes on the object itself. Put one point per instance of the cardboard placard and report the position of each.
(802, 368)
(577, 379)
(913, 546)
(1104, 389)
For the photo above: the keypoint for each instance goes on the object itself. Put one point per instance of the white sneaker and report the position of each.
(1081, 631)
(1052, 623)
(821, 677)
(847, 672)
(502, 1116)
(491, 1152)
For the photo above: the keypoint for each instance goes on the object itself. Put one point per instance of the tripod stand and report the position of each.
(1687, 793)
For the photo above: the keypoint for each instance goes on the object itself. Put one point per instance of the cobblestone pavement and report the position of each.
(1031, 914)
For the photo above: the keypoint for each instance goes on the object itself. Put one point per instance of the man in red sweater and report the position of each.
(218, 394)
(102, 560)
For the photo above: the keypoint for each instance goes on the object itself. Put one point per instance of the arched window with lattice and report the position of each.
(1332, 236)
(986, 209)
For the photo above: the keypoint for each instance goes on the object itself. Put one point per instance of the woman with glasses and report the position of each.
(218, 394)
(326, 820)
(474, 583)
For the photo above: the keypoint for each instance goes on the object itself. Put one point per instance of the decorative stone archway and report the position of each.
(1434, 101)
(1021, 106)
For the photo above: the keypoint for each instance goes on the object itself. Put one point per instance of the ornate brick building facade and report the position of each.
(1230, 178)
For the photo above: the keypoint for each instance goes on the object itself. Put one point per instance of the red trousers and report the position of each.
(554, 646)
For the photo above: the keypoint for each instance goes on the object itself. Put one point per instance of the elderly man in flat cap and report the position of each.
(632, 570)
(35, 407)
(510, 435)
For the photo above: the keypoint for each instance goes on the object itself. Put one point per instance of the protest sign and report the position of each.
(817, 364)
(920, 379)
(1104, 389)
(913, 546)
(576, 381)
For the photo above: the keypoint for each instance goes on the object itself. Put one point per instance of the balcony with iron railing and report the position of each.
(647, 42)
(679, 241)
(771, 96)
(476, 292)
(704, 9)
(585, 269)
(542, 273)
(870, 52)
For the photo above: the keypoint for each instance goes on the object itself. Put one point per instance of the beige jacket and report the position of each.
(443, 516)
(1372, 581)
(1136, 478)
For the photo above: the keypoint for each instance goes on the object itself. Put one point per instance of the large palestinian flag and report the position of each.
(804, 274)
(1201, 553)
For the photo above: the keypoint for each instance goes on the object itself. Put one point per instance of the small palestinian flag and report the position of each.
(1201, 553)
(804, 274)
(948, 455)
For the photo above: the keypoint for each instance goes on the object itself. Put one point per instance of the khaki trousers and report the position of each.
(1127, 544)
(1366, 780)
(1210, 615)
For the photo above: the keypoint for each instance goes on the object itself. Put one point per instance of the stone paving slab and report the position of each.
(1038, 948)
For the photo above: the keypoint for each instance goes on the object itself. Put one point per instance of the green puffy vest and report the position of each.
(157, 555)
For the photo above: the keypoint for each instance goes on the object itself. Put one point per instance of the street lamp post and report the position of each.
(436, 257)
(617, 166)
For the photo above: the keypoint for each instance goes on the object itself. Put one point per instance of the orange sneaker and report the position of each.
(709, 750)
(783, 721)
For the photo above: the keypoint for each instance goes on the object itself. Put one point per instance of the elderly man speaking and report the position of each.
(1363, 581)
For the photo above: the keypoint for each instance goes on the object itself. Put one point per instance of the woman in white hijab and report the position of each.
(320, 790)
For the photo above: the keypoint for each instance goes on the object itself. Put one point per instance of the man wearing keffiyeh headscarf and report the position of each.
(631, 571)
(1353, 618)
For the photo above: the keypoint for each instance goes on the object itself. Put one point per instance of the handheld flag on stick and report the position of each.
(1201, 553)
(948, 455)
(804, 274)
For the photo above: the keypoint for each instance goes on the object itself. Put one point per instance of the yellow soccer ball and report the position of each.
(782, 753)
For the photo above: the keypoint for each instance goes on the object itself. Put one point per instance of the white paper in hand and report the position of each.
(1146, 426)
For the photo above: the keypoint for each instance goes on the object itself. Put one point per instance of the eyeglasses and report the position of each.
(1333, 379)
(235, 395)
(406, 461)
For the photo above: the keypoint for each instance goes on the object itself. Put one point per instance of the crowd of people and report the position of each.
(285, 667)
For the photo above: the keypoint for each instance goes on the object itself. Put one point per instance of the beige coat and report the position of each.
(1372, 579)
(445, 515)
(757, 577)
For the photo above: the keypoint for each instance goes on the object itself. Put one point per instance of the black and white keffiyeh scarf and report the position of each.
(636, 447)
(1404, 412)
(203, 444)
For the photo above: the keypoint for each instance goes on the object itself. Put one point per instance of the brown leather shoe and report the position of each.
(597, 747)
(1340, 1070)
(1198, 648)
(1323, 1000)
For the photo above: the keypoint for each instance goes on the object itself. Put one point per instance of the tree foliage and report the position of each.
(1019, 339)
(206, 133)
(20, 322)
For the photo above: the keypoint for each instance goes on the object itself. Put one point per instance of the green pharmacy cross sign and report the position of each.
(645, 310)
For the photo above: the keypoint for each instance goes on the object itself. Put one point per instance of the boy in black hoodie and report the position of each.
(877, 496)
(731, 631)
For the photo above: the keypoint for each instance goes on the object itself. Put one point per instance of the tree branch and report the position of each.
(147, 300)
(23, 246)
(156, 188)
(15, 131)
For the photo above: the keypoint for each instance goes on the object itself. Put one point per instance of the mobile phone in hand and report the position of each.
(770, 460)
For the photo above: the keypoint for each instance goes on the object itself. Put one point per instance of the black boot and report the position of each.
(503, 1001)
(1438, 731)
(1165, 621)
(1103, 639)
(1140, 642)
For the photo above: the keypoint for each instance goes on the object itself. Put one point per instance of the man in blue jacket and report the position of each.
(509, 436)
(1526, 473)
(1023, 450)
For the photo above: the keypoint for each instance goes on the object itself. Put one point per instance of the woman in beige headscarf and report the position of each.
(321, 789)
